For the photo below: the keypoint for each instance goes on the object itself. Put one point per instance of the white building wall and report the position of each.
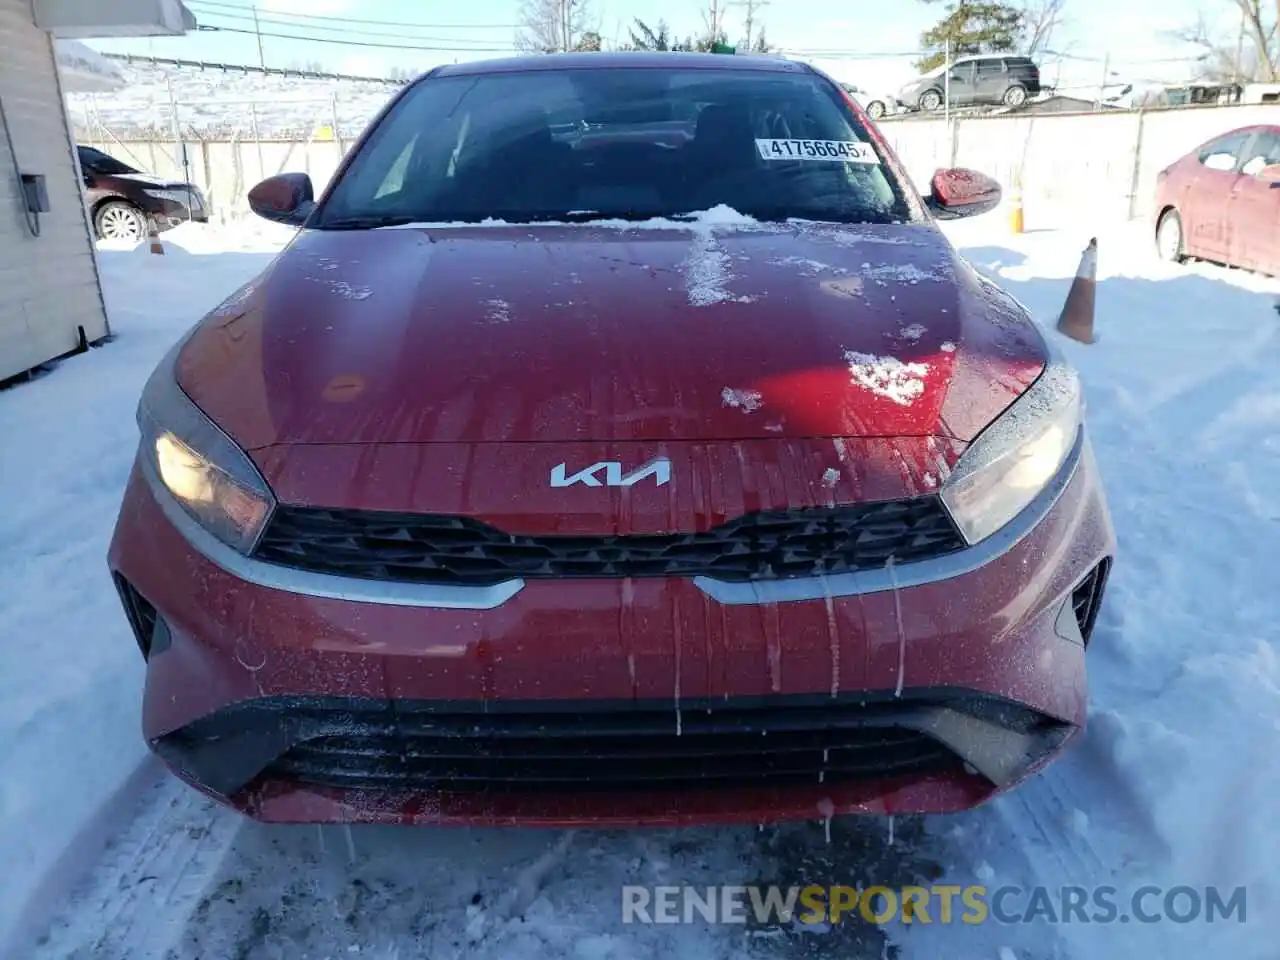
(49, 287)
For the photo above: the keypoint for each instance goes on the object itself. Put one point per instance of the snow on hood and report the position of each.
(84, 70)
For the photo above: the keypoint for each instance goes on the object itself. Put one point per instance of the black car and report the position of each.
(980, 80)
(124, 201)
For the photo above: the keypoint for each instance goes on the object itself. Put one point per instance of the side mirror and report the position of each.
(1270, 174)
(285, 198)
(958, 192)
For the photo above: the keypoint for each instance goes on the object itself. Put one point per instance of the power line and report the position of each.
(462, 45)
(349, 31)
(359, 43)
(359, 20)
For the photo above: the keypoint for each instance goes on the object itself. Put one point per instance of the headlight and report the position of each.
(211, 478)
(1016, 456)
(173, 196)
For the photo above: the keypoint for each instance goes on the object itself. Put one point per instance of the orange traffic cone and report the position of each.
(154, 236)
(1076, 320)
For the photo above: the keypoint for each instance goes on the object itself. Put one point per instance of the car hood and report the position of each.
(647, 332)
(155, 183)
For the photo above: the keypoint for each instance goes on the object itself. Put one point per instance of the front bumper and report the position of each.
(170, 213)
(602, 702)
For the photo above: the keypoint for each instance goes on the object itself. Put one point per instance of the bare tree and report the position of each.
(553, 26)
(751, 17)
(713, 22)
(1040, 18)
(1252, 54)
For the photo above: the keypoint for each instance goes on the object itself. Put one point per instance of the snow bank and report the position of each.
(70, 673)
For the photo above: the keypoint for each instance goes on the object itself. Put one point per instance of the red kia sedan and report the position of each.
(618, 441)
(1221, 202)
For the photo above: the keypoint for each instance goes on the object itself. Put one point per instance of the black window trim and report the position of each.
(1251, 143)
(1249, 137)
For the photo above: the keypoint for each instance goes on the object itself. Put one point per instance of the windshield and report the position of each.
(627, 143)
(99, 162)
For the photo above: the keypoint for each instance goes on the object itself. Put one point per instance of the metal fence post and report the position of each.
(1135, 175)
(337, 130)
(155, 128)
(207, 167)
(257, 138)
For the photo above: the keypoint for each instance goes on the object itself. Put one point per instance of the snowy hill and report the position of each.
(214, 101)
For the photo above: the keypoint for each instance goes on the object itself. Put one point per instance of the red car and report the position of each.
(549, 477)
(1221, 202)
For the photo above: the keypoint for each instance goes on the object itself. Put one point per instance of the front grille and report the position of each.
(770, 545)
(1086, 599)
(616, 751)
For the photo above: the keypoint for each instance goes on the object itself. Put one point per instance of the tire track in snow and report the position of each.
(137, 900)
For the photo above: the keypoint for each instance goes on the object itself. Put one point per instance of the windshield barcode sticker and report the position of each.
(841, 151)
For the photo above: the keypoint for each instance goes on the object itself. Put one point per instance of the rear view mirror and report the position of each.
(959, 192)
(285, 198)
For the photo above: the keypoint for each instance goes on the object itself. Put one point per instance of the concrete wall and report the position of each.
(1073, 167)
(48, 284)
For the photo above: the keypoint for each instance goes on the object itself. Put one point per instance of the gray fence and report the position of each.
(1068, 168)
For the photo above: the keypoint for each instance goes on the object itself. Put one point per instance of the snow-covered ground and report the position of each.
(1174, 784)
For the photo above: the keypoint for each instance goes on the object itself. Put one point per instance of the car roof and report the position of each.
(622, 58)
(990, 56)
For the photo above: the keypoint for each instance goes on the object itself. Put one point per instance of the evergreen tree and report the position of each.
(972, 26)
(645, 37)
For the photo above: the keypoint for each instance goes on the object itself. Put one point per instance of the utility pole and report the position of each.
(1237, 70)
(946, 85)
(1106, 75)
(262, 60)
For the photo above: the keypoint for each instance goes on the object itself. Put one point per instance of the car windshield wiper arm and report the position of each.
(367, 221)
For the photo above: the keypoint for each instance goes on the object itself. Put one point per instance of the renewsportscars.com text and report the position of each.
(939, 903)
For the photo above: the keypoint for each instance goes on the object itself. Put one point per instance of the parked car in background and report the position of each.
(123, 200)
(978, 80)
(877, 105)
(1221, 202)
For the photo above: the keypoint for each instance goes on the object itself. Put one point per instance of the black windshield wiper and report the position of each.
(366, 222)
(536, 217)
